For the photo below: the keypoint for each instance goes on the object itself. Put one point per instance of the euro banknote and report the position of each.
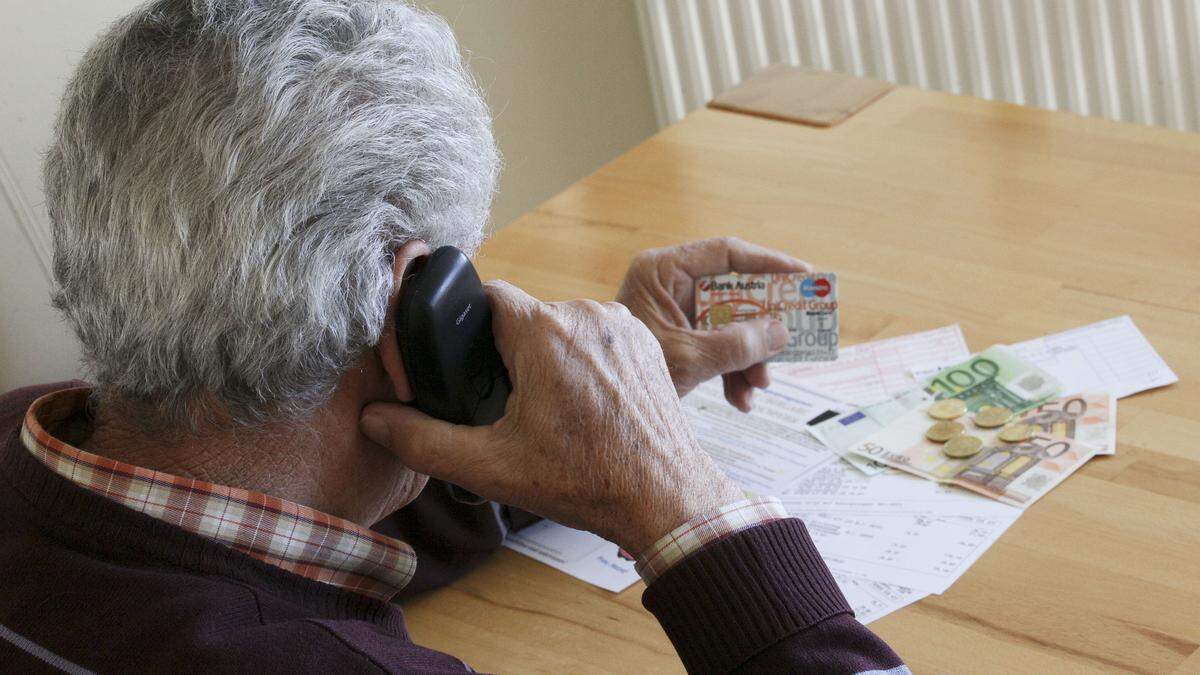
(1013, 473)
(1090, 418)
(840, 433)
(995, 377)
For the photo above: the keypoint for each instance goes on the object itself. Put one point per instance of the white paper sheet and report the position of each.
(872, 600)
(769, 448)
(583, 555)
(832, 487)
(920, 551)
(1111, 355)
(872, 371)
(894, 528)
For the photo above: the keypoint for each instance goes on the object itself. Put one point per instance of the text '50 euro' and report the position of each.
(805, 303)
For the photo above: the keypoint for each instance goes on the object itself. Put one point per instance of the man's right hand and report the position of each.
(592, 436)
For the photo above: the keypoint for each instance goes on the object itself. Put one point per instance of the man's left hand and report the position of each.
(659, 289)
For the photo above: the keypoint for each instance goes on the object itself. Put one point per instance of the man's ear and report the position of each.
(389, 348)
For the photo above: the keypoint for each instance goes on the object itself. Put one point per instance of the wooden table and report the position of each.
(933, 209)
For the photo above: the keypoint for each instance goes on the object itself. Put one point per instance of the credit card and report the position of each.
(805, 303)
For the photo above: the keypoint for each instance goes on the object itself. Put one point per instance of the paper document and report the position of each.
(583, 555)
(920, 551)
(835, 488)
(1111, 356)
(872, 371)
(895, 528)
(872, 600)
(769, 448)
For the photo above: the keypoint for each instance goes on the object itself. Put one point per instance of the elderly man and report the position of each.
(236, 188)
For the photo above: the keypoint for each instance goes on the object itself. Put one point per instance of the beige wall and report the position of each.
(566, 82)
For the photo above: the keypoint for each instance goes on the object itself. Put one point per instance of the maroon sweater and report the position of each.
(85, 581)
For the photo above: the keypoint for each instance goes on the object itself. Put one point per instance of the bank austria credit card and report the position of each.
(805, 303)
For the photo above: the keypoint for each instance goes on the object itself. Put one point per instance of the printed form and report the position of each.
(895, 528)
(872, 371)
(581, 554)
(1112, 356)
(769, 449)
(872, 600)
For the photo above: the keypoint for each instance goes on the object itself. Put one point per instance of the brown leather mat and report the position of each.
(814, 97)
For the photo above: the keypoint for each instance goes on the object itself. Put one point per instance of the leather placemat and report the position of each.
(814, 97)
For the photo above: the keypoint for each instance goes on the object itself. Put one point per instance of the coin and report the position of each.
(962, 446)
(943, 431)
(1016, 432)
(991, 416)
(947, 409)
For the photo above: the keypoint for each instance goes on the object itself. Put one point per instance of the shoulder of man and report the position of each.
(115, 617)
(74, 598)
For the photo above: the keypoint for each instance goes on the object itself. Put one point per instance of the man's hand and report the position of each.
(659, 289)
(592, 436)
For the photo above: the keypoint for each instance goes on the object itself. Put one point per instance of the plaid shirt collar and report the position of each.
(289, 536)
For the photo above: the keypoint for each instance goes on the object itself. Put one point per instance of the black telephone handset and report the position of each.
(444, 329)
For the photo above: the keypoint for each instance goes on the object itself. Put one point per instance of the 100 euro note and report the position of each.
(843, 432)
(1089, 418)
(996, 377)
(1016, 474)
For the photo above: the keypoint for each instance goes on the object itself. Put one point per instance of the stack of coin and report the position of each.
(958, 445)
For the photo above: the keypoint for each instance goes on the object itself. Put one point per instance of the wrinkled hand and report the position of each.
(659, 289)
(592, 436)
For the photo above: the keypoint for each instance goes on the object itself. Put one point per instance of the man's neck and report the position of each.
(323, 462)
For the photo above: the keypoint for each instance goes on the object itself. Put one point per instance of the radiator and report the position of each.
(1134, 60)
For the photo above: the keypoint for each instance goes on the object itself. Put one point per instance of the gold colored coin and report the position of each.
(992, 416)
(943, 431)
(947, 409)
(962, 446)
(1016, 432)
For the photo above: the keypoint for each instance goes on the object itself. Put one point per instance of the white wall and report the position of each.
(566, 81)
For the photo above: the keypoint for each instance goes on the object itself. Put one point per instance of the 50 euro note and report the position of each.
(995, 376)
(844, 431)
(1089, 418)
(1014, 473)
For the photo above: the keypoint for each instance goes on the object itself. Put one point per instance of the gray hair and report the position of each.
(228, 181)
